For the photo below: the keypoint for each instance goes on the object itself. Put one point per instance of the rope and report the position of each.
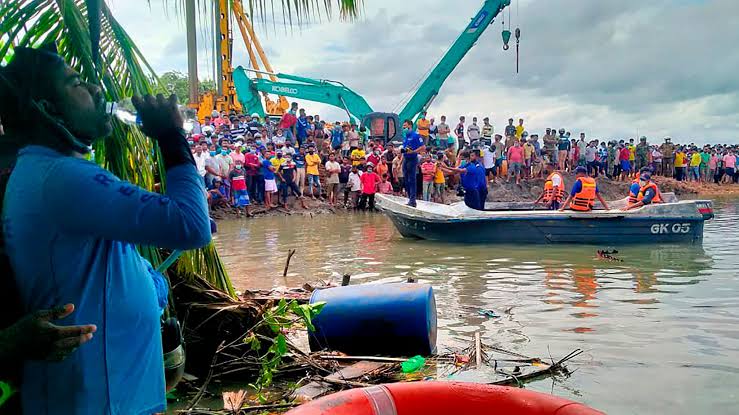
(412, 89)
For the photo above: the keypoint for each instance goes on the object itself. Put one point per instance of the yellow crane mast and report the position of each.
(224, 98)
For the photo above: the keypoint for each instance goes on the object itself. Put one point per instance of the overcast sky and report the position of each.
(610, 68)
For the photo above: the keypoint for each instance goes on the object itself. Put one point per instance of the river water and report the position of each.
(660, 330)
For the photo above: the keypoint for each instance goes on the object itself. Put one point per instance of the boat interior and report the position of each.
(518, 206)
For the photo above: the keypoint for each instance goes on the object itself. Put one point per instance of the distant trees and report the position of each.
(176, 83)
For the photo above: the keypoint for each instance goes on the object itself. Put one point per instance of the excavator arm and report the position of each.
(429, 89)
(328, 92)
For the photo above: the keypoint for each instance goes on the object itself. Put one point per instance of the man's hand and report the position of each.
(34, 337)
(159, 116)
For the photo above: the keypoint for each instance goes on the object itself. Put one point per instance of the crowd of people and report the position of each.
(245, 159)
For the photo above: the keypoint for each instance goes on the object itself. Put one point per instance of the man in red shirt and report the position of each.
(252, 165)
(369, 180)
(289, 121)
(623, 158)
(515, 161)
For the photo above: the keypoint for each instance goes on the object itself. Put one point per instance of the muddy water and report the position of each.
(661, 329)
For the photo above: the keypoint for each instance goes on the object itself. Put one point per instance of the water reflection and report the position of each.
(645, 321)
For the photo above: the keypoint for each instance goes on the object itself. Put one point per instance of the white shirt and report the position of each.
(200, 162)
(557, 180)
(473, 132)
(333, 177)
(488, 158)
(278, 140)
(354, 181)
(224, 164)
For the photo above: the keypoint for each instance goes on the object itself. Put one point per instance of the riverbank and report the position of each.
(526, 191)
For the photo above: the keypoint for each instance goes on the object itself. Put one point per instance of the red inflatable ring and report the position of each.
(441, 398)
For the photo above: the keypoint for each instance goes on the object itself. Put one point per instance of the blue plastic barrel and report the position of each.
(376, 319)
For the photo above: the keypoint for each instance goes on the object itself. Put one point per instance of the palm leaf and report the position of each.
(121, 71)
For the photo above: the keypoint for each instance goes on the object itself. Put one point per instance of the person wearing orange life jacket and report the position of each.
(554, 188)
(634, 189)
(648, 192)
(583, 194)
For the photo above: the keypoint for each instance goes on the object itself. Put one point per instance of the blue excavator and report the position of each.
(384, 125)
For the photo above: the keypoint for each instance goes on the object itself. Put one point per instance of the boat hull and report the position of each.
(545, 227)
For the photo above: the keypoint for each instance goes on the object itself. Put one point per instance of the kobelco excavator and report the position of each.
(385, 125)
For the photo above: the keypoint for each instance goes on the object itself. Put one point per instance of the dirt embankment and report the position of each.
(529, 190)
(313, 207)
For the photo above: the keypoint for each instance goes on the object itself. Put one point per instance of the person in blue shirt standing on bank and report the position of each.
(412, 147)
(91, 224)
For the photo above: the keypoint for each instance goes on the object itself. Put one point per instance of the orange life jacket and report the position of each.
(657, 195)
(632, 196)
(552, 193)
(584, 200)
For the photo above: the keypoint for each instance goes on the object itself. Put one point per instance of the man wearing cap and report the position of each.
(413, 145)
(583, 194)
(563, 149)
(648, 192)
(668, 157)
(473, 179)
(487, 131)
(642, 153)
(301, 128)
(423, 126)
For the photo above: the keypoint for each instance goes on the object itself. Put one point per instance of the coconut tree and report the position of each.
(97, 46)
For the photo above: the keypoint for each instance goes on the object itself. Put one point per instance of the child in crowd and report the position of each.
(270, 185)
(239, 193)
(439, 179)
(385, 187)
(428, 169)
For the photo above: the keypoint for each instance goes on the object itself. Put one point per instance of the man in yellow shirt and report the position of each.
(519, 128)
(695, 165)
(312, 161)
(528, 153)
(680, 164)
(423, 126)
(358, 155)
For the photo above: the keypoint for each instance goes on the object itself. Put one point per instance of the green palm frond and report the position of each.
(293, 12)
(121, 71)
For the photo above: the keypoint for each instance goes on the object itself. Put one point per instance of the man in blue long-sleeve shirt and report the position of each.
(71, 230)
(412, 147)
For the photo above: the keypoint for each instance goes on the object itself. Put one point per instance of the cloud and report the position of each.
(665, 67)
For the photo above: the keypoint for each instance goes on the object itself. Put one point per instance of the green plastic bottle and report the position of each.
(413, 364)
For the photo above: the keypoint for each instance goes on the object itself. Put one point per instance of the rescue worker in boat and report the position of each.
(554, 188)
(583, 194)
(634, 188)
(473, 179)
(648, 191)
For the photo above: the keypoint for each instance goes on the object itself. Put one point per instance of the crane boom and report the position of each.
(429, 89)
(327, 92)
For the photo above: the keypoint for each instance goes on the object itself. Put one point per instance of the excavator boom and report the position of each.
(429, 89)
(327, 92)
